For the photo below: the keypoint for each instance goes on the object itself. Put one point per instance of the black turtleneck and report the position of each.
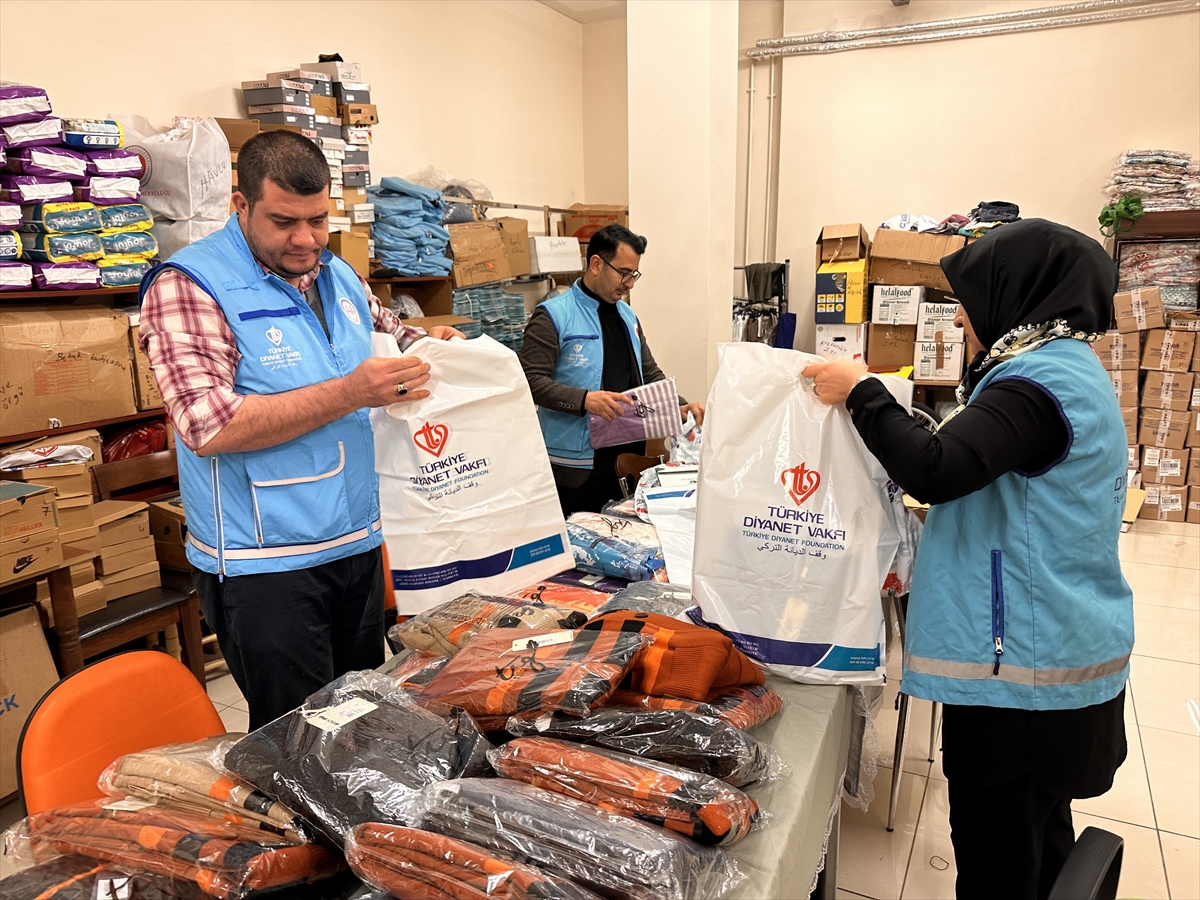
(620, 371)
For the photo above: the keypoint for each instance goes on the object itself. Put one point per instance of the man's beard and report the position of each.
(275, 265)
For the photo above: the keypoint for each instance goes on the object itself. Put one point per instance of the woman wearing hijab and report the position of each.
(1019, 619)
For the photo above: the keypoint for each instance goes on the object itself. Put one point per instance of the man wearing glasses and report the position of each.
(581, 350)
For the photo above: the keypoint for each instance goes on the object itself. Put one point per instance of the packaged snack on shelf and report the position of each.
(449, 626)
(698, 806)
(742, 707)
(651, 596)
(191, 777)
(599, 849)
(700, 743)
(602, 555)
(514, 670)
(571, 596)
(221, 859)
(633, 530)
(421, 865)
(353, 750)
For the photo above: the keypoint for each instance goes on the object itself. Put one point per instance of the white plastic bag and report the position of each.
(795, 523)
(187, 169)
(465, 487)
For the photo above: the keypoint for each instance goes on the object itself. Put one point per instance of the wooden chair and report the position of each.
(629, 466)
(146, 612)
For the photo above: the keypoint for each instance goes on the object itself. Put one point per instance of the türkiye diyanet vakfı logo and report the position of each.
(445, 475)
(790, 527)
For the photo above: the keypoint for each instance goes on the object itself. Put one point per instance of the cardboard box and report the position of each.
(356, 179)
(121, 520)
(935, 322)
(1119, 351)
(896, 304)
(1138, 310)
(277, 82)
(553, 255)
(65, 478)
(301, 121)
(1164, 503)
(26, 510)
(89, 597)
(1169, 351)
(478, 249)
(238, 131)
(841, 292)
(1129, 417)
(1193, 505)
(348, 92)
(515, 234)
(586, 219)
(361, 213)
(63, 367)
(141, 554)
(353, 249)
(130, 581)
(842, 342)
(1164, 428)
(358, 113)
(890, 347)
(145, 388)
(82, 572)
(24, 557)
(352, 196)
(1161, 465)
(336, 71)
(27, 672)
(327, 107)
(1125, 386)
(1193, 435)
(1167, 390)
(938, 362)
(88, 437)
(1193, 469)
(168, 521)
(838, 243)
(82, 540)
(292, 95)
(357, 134)
(906, 257)
(320, 81)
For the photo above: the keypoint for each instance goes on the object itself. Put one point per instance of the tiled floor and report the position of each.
(1154, 803)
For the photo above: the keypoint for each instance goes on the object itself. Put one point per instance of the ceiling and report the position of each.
(588, 11)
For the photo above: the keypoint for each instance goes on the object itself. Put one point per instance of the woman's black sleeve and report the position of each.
(1011, 424)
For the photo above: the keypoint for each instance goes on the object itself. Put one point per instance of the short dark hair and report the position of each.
(290, 160)
(604, 242)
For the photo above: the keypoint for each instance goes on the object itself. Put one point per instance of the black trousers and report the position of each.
(601, 484)
(287, 634)
(1012, 774)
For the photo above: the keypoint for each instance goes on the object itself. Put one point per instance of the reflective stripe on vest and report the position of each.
(1014, 674)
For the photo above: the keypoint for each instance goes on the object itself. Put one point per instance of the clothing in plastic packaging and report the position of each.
(742, 707)
(602, 554)
(222, 859)
(515, 670)
(352, 751)
(633, 530)
(448, 627)
(190, 777)
(417, 669)
(421, 865)
(664, 598)
(686, 802)
(700, 743)
(605, 852)
(571, 596)
(76, 877)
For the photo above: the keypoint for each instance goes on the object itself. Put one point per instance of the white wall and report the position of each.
(1036, 118)
(485, 90)
(605, 113)
(682, 150)
(754, 236)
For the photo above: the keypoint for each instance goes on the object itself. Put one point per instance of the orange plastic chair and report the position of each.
(123, 704)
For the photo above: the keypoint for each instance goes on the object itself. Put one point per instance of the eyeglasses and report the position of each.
(630, 277)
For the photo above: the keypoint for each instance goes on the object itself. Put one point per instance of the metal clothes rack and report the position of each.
(773, 310)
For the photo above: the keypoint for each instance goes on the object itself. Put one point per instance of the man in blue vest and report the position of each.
(581, 350)
(260, 341)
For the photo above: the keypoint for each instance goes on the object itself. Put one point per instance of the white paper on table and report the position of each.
(673, 512)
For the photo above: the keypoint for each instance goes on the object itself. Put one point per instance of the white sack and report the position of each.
(173, 236)
(465, 487)
(795, 523)
(188, 174)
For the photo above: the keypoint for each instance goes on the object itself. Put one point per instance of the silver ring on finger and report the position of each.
(401, 390)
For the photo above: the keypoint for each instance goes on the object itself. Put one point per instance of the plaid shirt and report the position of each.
(194, 353)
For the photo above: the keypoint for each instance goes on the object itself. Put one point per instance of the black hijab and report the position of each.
(1030, 273)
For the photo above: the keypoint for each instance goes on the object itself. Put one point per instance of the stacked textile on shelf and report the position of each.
(406, 231)
(1163, 179)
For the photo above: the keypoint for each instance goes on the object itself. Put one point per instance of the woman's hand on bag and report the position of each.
(833, 381)
(696, 409)
(377, 381)
(606, 404)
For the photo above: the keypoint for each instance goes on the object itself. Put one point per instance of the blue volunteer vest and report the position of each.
(580, 364)
(312, 499)
(1017, 597)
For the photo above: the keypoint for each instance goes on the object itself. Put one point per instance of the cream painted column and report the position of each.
(682, 63)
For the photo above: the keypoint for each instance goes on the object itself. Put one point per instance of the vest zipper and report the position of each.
(997, 608)
(219, 521)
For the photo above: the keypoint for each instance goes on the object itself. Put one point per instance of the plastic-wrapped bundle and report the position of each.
(742, 707)
(697, 806)
(122, 271)
(15, 276)
(43, 133)
(10, 216)
(115, 163)
(106, 191)
(421, 865)
(222, 859)
(415, 670)
(76, 877)
(61, 218)
(700, 743)
(448, 627)
(140, 244)
(66, 276)
(407, 235)
(599, 849)
(602, 555)
(26, 189)
(62, 247)
(22, 103)
(190, 777)
(353, 750)
(633, 530)
(125, 217)
(49, 162)
(651, 597)
(572, 596)
(514, 670)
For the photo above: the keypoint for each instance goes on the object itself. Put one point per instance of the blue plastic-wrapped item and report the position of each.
(606, 555)
(140, 244)
(125, 217)
(406, 232)
(60, 218)
(122, 271)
